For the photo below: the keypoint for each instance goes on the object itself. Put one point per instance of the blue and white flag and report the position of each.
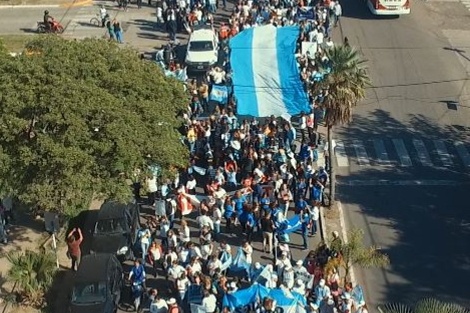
(305, 13)
(265, 77)
(219, 93)
(293, 225)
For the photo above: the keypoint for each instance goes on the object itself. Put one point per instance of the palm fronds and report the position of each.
(428, 305)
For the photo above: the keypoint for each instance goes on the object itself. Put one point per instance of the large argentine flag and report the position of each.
(265, 75)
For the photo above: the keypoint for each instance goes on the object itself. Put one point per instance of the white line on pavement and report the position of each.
(340, 152)
(361, 153)
(403, 155)
(423, 154)
(462, 151)
(381, 152)
(443, 153)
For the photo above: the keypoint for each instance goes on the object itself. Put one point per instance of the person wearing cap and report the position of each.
(282, 263)
(232, 287)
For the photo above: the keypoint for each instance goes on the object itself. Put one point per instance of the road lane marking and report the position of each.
(423, 154)
(340, 152)
(361, 153)
(443, 153)
(381, 152)
(403, 155)
(463, 153)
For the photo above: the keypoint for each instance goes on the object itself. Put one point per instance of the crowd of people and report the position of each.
(249, 177)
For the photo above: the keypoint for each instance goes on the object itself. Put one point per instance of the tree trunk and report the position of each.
(332, 164)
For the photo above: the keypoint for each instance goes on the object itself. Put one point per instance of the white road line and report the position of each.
(403, 155)
(463, 153)
(340, 152)
(385, 182)
(381, 152)
(443, 153)
(423, 154)
(361, 153)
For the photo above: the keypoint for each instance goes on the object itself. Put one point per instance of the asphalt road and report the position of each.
(418, 213)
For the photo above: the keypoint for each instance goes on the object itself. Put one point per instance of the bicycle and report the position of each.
(96, 21)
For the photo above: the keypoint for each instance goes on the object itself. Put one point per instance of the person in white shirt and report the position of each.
(175, 270)
(144, 238)
(158, 305)
(248, 251)
(185, 233)
(182, 284)
(204, 220)
(214, 265)
(314, 213)
(217, 217)
(172, 240)
(191, 185)
(209, 302)
(152, 189)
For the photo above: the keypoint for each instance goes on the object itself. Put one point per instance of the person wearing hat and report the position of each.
(282, 263)
(232, 287)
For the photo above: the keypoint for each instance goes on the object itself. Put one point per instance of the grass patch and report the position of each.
(15, 43)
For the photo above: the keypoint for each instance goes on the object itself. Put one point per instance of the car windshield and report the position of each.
(112, 225)
(89, 292)
(201, 46)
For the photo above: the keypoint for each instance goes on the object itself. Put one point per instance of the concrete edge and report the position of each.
(324, 235)
(65, 5)
(344, 233)
(26, 6)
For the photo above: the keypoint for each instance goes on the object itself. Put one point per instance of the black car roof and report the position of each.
(94, 267)
(112, 209)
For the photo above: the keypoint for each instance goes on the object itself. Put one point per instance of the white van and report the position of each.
(203, 49)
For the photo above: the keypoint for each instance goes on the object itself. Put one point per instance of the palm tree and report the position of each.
(356, 253)
(429, 305)
(346, 85)
(33, 273)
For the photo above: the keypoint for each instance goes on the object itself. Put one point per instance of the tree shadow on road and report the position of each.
(430, 252)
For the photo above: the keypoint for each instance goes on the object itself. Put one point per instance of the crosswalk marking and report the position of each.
(403, 155)
(442, 152)
(423, 154)
(381, 152)
(361, 153)
(341, 157)
(462, 151)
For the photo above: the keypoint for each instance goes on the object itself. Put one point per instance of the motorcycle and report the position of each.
(55, 28)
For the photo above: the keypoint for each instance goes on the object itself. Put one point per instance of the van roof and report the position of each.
(202, 35)
(112, 209)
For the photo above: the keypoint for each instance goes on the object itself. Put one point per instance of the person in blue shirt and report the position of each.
(249, 224)
(300, 188)
(239, 201)
(301, 205)
(316, 191)
(264, 202)
(229, 213)
(137, 273)
(305, 227)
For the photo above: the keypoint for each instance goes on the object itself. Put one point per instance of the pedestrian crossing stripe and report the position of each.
(400, 152)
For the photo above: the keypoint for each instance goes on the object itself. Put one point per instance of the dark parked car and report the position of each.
(116, 230)
(97, 285)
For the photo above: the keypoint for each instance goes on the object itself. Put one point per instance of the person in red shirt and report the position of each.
(73, 243)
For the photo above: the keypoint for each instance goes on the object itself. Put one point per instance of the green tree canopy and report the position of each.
(77, 118)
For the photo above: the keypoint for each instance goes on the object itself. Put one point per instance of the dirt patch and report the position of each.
(36, 2)
(331, 213)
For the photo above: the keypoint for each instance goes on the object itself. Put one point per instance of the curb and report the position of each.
(38, 6)
(344, 233)
(29, 6)
(324, 235)
(77, 4)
